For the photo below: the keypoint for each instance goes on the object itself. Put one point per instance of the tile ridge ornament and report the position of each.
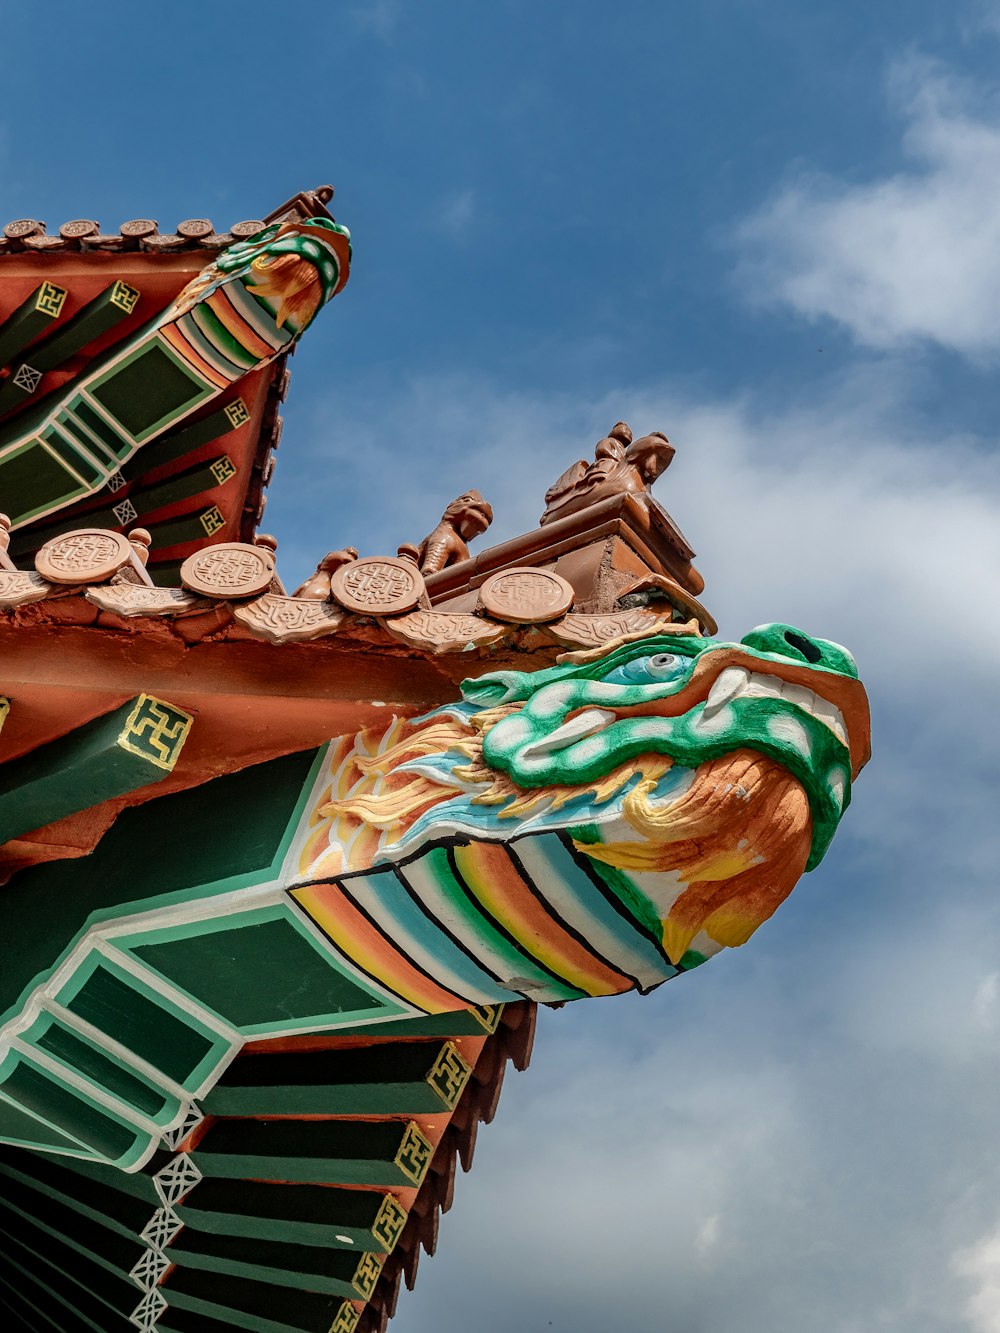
(130, 600)
(289, 619)
(445, 631)
(525, 595)
(383, 585)
(87, 555)
(230, 571)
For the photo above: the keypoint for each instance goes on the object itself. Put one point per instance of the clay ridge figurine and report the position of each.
(621, 466)
(317, 587)
(465, 518)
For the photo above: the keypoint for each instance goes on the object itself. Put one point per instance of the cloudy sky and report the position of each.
(772, 229)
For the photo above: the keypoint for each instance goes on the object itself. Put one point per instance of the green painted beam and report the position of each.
(28, 1313)
(183, 485)
(206, 476)
(30, 319)
(258, 1306)
(41, 1309)
(96, 1293)
(237, 851)
(120, 752)
(60, 1223)
(167, 448)
(478, 1021)
(193, 527)
(344, 1152)
(283, 1263)
(93, 1201)
(404, 1078)
(165, 573)
(93, 1180)
(355, 1220)
(82, 1056)
(186, 1321)
(113, 305)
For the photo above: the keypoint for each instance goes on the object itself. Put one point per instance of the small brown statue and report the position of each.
(317, 587)
(467, 517)
(621, 466)
(5, 560)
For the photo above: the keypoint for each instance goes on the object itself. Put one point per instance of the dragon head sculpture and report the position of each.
(293, 266)
(592, 828)
(696, 779)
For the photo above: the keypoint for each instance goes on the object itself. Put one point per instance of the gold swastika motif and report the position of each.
(389, 1222)
(449, 1074)
(487, 1014)
(223, 468)
(124, 296)
(414, 1154)
(212, 520)
(50, 298)
(347, 1319)
(366, 1274)
(238, 413)
(156, 731)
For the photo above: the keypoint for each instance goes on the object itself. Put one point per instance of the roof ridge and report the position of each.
(85, 235)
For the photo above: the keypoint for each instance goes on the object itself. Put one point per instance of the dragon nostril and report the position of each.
(803, 645)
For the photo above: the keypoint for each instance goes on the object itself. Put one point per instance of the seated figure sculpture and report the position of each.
(621, 466)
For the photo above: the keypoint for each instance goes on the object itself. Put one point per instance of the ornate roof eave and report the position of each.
(143, 236)
(73, 303)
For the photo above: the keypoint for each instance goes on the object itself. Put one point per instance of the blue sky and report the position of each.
(773, 231)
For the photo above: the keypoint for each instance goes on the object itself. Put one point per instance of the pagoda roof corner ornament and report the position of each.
(105, 376)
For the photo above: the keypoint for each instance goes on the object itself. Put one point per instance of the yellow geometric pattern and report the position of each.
(488, 1015)
(156, 731)
(347, 1319)
(223, 468)
(212, 520)
(449, 1075)
(124, 297)
(238, 413)
(366, 1274)
(414, 1154)
(389, 1222)
(50, 298)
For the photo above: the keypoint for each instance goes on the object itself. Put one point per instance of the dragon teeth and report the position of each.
(731, 682)
(736, 682)
(584, 724)
(833, 717)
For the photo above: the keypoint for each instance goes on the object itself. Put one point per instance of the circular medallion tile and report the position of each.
(229, 570)
(89, 555)
(526, 596)
(377, 586)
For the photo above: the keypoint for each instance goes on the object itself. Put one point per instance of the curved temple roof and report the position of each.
(76, 310)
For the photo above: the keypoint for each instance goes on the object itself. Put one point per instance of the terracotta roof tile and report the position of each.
(85, 234)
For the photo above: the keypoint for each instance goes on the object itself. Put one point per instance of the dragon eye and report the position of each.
(645, 670)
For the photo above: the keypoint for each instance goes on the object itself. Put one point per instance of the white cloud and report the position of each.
(905, 258)
(802, 1134)
(980, 1264)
